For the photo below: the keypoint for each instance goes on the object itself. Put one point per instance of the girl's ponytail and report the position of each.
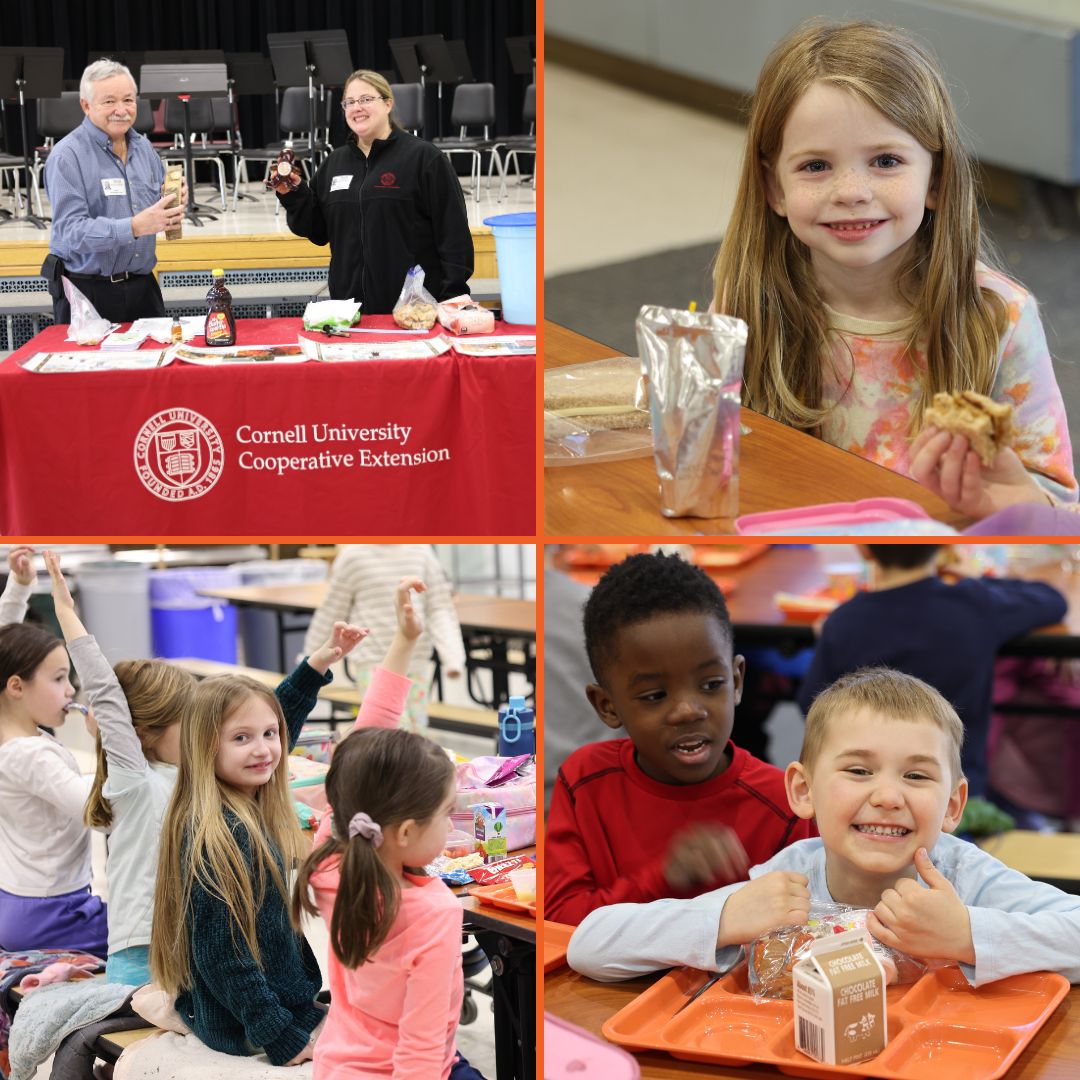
(361, 924)
(98, 813)
(378, 775)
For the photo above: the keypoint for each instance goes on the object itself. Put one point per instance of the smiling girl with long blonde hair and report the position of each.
(243, 977)
(855, 257)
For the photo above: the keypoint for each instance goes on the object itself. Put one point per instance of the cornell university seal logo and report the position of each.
(178, 455)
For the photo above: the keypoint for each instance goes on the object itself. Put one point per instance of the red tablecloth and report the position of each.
(91, 453)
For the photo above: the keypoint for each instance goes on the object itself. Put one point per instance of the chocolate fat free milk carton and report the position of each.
(839, 994)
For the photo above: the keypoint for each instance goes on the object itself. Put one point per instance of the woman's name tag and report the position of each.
(338, 183)
(114, 185)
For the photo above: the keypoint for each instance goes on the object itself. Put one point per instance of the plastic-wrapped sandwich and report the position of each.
(601, 395)
(693, 361)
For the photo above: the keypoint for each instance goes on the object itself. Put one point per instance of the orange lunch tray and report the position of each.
(727, 556)
(938, 1026)
(807, 606)
(556, 940)
(503, 896)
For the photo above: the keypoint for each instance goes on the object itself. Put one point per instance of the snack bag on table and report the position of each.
(462, 315)
(416, 308)
(771, 957)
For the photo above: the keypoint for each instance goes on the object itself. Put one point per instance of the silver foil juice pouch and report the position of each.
(693, 361)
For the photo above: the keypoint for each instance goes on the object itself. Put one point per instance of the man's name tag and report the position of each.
(114, 185)
(339, 183)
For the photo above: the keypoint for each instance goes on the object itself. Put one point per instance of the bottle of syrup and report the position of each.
(220, 323)
(284, 175)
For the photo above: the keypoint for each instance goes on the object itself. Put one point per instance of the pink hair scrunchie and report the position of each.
(363, 825)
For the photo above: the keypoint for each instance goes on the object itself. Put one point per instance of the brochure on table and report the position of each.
(304, 348)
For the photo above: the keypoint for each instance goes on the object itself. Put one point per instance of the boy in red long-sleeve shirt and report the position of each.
(676, 809)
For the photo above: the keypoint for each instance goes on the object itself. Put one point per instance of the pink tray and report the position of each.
(801, 518)
(939, 1027)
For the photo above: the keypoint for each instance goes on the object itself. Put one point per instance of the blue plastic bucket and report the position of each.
(186, 624)
(515, 251)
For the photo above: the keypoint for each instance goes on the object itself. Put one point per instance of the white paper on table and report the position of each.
(417, 349)
(52, 362)
(283, 353)
(495, 346)
(191, 326)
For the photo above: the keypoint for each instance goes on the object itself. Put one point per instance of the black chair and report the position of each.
(56, 117)
(521, 144)
(144, 118)
(200, 123)
(9, 163)
(293, 122)
(474, 106)
(409, 106)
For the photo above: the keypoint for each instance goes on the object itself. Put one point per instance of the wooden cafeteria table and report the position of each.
(779, 468)
(1053, 1054)
(499, 616)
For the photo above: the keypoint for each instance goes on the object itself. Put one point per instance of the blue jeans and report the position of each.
(462, 1070)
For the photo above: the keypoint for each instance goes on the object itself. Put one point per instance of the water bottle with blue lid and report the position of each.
(517, 729)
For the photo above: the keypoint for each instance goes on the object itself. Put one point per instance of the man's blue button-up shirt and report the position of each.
(94, 196)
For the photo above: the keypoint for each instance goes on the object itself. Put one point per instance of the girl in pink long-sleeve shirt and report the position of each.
(394, 967)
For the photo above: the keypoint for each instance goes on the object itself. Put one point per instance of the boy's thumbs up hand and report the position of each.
(930, 873)
(931, 923)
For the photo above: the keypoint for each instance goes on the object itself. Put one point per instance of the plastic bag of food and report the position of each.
(416, 308)
(332, 314)
(462, 315)
(596, 411)
(771, 957)
(87, 326)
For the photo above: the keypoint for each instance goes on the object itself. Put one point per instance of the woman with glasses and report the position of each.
(385, 201)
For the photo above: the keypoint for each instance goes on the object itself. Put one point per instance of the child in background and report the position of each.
(138, 708)
(361, 589)
(946, 635)
(854, 256)
(880, 772)
(396, 1014)
(245, 979)
(676, 809)
(45, 871)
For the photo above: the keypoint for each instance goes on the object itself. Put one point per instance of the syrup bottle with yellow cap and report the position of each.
(220, 324)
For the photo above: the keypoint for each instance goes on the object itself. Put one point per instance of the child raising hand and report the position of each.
(854, 256)
(395, 962)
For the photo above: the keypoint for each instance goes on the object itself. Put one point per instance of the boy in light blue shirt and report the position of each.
(880, 772)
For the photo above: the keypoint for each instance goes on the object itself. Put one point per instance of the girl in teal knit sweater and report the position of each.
(245, 980)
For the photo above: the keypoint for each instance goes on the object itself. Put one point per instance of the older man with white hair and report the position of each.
(104, 182)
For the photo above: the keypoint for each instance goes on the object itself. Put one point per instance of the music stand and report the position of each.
(305, 57)
(522, 52)
(38, 73)
(185, 81)
(425, 59)
(250, 74)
